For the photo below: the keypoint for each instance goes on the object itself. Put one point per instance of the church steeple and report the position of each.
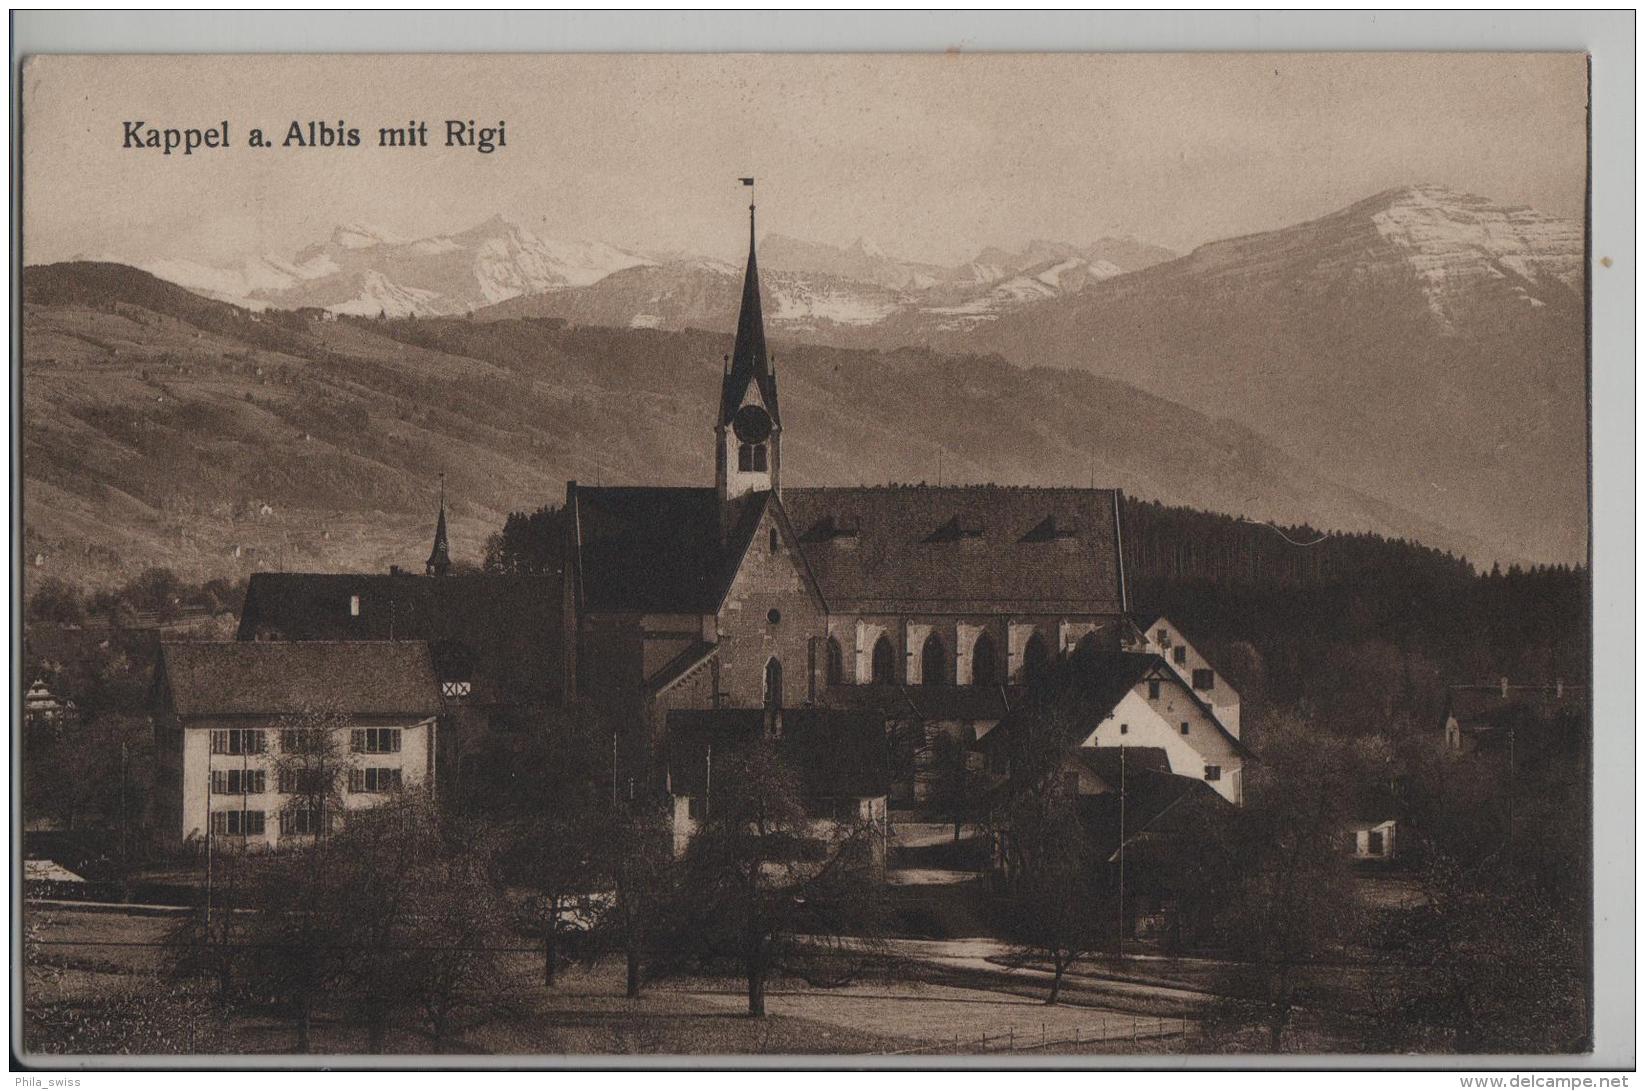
(749, 360)
(749, 429)
(439, 560)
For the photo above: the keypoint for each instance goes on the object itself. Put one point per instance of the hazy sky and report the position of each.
(932, 157)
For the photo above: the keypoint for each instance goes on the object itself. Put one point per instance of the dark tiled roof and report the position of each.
(895, 549)
(648, 549)
(909, 548)
(680, 666)
(1116, 763)
(836, 752)
(1088, 686)
(508, 627)
(366, 678)
(1157, 805)
(948, 703)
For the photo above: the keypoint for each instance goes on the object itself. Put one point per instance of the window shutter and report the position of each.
(356, 780)
(357, 739)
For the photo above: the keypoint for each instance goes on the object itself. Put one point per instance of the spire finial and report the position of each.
(439, 559)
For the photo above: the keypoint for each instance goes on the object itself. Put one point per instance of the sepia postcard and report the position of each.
(875, 557)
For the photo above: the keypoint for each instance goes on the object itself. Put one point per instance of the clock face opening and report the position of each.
(752, 424)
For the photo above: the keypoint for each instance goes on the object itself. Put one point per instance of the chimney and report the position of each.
(1505, 686)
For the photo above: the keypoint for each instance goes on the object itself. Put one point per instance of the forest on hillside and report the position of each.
(1369, 630)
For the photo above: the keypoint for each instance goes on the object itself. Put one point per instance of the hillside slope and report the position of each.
(1423, 346)
(161, 428)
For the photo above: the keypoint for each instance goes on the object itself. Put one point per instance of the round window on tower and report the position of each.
(773, 615)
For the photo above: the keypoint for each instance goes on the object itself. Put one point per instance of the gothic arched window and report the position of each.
(885, 662)
(745, 457)
(985, 662)
(773, 683)
(1036, 659)
(835, 667)
(933, 662)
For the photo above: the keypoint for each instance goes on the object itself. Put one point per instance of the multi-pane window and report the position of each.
(237, 740)
(456, 689)
(237, 823)
(306, 740)
(1204, 679)
(301, 820)
(1213, 772)
(376, 740)
(239, 782)
(373, 780)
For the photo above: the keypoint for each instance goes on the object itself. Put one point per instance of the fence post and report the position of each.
(1011, 1040)
(1042, 1035)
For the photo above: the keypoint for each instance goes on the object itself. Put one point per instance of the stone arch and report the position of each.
(933, 662)
(1036, 658)
(884, 670)
(985, 661)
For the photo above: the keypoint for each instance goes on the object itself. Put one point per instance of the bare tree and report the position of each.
(957, 783)
(312, 763)
(1293, 901)
(767, 884)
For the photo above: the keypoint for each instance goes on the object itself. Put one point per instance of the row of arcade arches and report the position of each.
(937, 665)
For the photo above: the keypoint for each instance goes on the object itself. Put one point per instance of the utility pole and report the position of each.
(1121, 944)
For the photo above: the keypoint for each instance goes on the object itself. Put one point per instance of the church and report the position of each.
(920, 603)
(912, 608)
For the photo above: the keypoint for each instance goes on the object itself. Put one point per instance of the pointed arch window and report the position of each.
(985, 662)
(933, 662)
(751, 457)
(1036, 659)
(773, 683)
(885, 662)
(834, 668)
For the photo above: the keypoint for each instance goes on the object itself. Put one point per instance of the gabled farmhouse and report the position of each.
(1163, 638)
(838, 755)
(1135, 700)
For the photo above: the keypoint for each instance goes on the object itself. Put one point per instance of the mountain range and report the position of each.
(165, 428)
(1413, 364)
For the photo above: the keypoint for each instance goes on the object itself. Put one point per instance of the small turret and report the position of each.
(439, 559)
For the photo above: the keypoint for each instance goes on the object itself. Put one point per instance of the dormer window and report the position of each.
(1153, 690)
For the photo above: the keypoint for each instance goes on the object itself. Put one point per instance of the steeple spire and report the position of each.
(439, 561)
(749, 360)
